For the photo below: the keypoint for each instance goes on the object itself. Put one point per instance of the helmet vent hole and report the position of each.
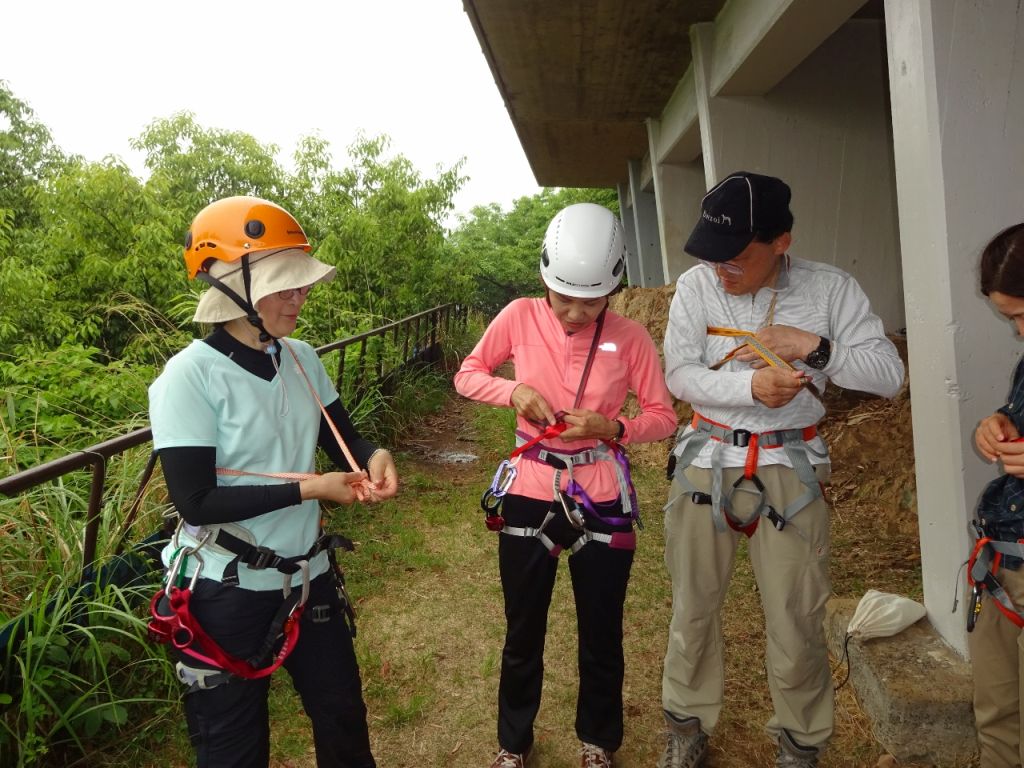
(188, 240)
(544, 259)
(617, 270)
(254, 228)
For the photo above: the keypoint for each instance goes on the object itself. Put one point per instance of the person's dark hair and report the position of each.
(1002, 263)
(768, 235)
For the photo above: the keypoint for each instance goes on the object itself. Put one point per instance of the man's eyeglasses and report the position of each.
(287, 294)
(726, 266)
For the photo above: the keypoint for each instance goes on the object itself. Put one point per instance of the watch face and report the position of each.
(819, 358)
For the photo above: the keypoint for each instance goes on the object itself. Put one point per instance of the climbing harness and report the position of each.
(982, 567)
(533, 449)
(172, 620)
(564, 461)
(793, 441)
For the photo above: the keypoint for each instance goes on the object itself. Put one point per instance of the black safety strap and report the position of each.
(259, 558)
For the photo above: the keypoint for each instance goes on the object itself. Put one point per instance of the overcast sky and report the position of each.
(97, 73)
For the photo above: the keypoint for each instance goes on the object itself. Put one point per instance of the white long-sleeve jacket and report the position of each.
(812, 296)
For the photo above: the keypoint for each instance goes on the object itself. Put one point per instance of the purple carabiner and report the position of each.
(503, 478)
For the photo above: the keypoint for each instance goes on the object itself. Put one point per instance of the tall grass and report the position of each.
(79, 678)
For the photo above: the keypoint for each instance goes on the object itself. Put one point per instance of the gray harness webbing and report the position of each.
(538, 533)
(689, 444)
(618, 540)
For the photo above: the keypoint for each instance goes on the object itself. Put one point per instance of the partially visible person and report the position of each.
(994, 617)
(753, 337)
(575, 362)
(237, 418)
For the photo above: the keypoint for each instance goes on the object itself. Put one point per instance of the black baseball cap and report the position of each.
(734, 210)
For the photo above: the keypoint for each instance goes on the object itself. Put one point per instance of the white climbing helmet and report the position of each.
(584, 253)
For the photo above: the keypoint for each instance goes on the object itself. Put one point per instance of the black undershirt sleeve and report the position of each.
(191, 477)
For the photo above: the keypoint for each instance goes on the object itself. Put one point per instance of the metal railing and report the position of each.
(418, 336)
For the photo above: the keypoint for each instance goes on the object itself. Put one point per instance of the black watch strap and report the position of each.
(819, 357)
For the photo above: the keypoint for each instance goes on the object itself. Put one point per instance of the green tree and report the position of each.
(382, 224)
(110, 266)
(191, 166)
(27, 157)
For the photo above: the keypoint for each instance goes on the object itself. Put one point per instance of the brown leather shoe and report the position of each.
(506, 759)
(593, 756)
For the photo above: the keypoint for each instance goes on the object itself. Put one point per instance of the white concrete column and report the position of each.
(702, 45)
(629, 225)
(678, 189)
(957, 93)
(648, 241)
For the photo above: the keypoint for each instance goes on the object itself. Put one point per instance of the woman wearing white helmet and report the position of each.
(575, 362)
(237, 418)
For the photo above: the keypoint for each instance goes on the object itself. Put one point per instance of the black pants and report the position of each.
(599, 577)
(229, 724)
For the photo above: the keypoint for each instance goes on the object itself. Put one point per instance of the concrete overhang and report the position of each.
(580, 78)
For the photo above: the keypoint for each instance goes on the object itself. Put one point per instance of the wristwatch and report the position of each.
(819, 357)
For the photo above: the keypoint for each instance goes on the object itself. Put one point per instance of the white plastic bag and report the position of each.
(880, 614)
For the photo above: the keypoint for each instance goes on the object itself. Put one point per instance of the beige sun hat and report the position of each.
(270, 271)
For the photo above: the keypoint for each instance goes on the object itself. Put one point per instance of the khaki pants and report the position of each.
(996, 653)
(791, 568)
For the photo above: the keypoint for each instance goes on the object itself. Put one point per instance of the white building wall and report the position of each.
(825, 130)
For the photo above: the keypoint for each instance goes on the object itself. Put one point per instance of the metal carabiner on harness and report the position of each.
(180, 558)
(490, 501)
(503, 478)
(572, 513)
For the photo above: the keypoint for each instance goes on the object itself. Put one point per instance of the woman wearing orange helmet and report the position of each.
(237, 418)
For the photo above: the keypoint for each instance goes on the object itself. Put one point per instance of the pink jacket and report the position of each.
(551, 361)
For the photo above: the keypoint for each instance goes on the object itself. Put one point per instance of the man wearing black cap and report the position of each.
(753, 336)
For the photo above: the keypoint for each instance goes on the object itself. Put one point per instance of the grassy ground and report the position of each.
(431, 625)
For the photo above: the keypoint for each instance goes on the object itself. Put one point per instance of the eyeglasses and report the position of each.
(287, 294)
(726, 266)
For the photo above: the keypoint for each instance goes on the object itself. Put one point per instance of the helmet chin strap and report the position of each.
(245, 304)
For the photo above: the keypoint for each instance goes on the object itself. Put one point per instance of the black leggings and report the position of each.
(229, 724)
(599, 577)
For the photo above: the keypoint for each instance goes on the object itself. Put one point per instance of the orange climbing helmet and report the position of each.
(229, 228)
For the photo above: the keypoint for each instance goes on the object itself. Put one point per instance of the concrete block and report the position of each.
(915, 689)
